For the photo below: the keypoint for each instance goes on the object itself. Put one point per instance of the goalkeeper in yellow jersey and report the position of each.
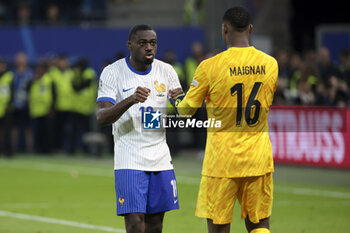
(238, 86)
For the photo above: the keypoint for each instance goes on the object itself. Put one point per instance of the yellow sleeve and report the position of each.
(197, 93)
(184, 109)
(274, 79)
(275, 75)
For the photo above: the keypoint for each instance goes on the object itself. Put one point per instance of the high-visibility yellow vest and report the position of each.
(40, 96)
(85, 99)
(179, 71)
(192, 14)
(5, 91)
(190, 68)
(64, 89)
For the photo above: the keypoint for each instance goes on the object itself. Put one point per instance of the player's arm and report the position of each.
(184, 108)
(108, 113)
(175, 88)
(273, 78)
(173, 94)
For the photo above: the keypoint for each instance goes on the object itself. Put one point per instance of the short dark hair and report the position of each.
(140, 27)
(238, 17)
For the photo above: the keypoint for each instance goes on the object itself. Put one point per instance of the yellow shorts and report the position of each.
(217, 197)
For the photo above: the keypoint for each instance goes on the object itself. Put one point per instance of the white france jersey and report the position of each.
(135, 147)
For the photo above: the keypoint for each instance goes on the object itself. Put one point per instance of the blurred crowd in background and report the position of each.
(309, 78)
(312, 78)
(46, 107)
(49, 106)
(51, 12)
(76, 12)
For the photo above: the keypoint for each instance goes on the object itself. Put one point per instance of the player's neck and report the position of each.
(239, 44)
(238, 41)
(139, 66)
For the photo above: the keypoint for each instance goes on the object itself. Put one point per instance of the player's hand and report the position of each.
(175, 92)
(140, 95)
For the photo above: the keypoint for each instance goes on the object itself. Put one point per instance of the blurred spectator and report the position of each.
(211, 54)
(305, 94)
(310, 74)
(93, 9)
(295, 63)
(344, 66)
(310, 56)
(52, 15)
(2, 11)
(23, 14)
(173, 135)
(41, 108)
(6, 96)
(194, 12)
(280, 98)
(342, 96)
(22, 75)
(51, 12)
(306, 84)
(191, 62)
(170, 58)
(296, 66)
(284, 71)
(344, 57)
(106, 130)
(321, 95)
(64, 102)
(326, 68)
(85, 92)
(338, 92)
(333, 87)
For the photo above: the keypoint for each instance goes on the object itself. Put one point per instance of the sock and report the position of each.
(260, 230)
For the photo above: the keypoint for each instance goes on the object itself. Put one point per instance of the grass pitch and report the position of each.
(55, 194)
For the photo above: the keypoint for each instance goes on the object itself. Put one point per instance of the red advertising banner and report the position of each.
(305, 135)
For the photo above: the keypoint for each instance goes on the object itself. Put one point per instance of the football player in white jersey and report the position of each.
(145, 182)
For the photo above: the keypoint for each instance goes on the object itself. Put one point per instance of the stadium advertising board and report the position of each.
(314, 136)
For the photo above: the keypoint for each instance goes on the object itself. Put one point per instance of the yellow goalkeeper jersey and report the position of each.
(238, 86)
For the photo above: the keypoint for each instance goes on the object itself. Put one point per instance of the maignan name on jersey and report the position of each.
(247, 70)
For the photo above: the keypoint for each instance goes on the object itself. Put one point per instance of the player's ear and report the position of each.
(224, 28)
(250, 28)
(128, 44)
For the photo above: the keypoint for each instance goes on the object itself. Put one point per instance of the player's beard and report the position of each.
(148, 58)
(143, 60)
(148, 61)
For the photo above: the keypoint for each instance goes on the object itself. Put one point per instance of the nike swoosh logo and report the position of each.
(175, 201)
(125, 90)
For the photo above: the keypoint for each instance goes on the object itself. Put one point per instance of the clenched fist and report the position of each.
(174, 93)
(140, 95)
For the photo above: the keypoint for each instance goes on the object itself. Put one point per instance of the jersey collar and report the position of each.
(127, 59)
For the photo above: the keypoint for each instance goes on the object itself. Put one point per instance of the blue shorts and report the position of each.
(145, 192)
